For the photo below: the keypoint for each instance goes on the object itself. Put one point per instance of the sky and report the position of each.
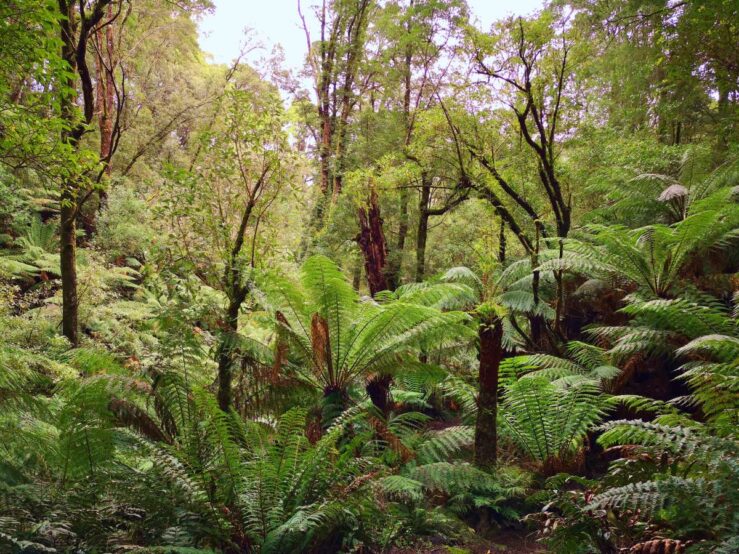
(277, 22)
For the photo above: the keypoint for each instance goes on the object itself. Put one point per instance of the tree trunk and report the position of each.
(378, 389)
(225, 355)
(68, 200)
(396, 258)
(374, 249)
(371, 241)
(486, 430)
(423, 228)
(501, 243)
(104, 64)
(68, 264)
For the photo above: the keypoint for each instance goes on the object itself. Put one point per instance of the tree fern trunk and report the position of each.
(372, 242)
(486, 426)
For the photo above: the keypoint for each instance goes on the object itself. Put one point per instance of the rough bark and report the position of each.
(486, 431)
(68, 264)
(378, 389)
(371, 240)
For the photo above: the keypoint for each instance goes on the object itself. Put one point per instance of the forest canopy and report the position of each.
(444, 288)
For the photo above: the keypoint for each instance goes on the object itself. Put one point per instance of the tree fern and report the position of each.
(337, 337)
(693, 483)
(547, 422)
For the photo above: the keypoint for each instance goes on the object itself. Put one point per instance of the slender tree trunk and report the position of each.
(105, 100)
(324, 153)
(68, 264)
(486, 430)
(501, 243)
(536, 321)
(423, 228)
(75, 29)
(68, 209)
(421, 236)
(560, 307)
(105, 64)
(225, 354)
(396, 259)
(678, 133)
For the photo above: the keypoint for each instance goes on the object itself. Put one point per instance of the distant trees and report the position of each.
(335, 55)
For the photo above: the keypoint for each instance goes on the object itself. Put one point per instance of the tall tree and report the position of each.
(78, 24)
(233, 190)
(334, 58)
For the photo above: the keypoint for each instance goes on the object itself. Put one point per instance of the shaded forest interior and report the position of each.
(445, 288)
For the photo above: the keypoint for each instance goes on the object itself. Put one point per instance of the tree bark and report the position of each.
(486, 430)
(68, 264)
(378, 389)
(423, 228)
(372, 242)
(105, 90)
(501, 243)
(68, 208)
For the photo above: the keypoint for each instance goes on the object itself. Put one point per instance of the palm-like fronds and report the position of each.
(586, 363)
(547, 422)
(290, 489)
(693, 482)
(337, 337)
(713, 377)
(653, 257)
(37, 252)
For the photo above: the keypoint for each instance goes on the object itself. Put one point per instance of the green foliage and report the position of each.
(226, 223)
(692, 483)
(549, 423)
(339, 337)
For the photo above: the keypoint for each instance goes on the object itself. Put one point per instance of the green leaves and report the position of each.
(362, 336)
(547, 422)
(692, 482)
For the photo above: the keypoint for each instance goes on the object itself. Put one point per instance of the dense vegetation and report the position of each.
(447, 289)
